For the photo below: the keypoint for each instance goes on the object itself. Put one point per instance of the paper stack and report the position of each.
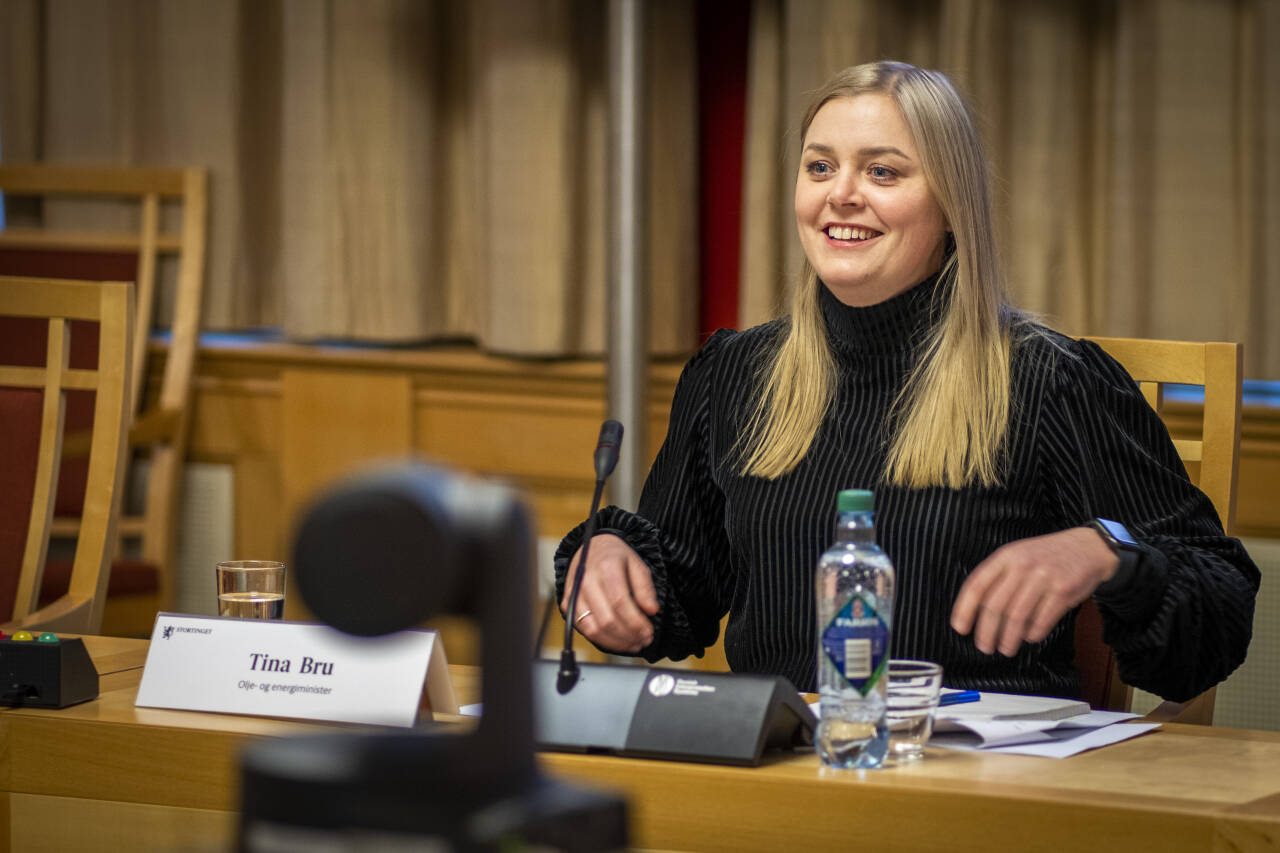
(1031, 725)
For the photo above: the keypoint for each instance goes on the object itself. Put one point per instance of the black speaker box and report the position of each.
(680, 714)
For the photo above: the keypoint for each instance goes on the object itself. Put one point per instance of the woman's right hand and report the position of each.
(617, 596)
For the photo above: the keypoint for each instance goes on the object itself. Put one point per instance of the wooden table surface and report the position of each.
(105, 775)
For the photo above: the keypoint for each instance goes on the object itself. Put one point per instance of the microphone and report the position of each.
(606, 458)
(607, 447)
(652, 712)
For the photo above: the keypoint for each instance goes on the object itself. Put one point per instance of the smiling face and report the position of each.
(868, 222)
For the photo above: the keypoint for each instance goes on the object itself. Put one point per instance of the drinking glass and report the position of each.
(251, 589)
(914, 688)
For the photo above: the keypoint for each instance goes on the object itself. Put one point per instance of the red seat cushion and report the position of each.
(1094, 660)
(22, 342)
(128, 577)
(70, 263)
(20, 414)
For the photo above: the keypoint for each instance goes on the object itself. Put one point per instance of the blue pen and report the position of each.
(960, 697)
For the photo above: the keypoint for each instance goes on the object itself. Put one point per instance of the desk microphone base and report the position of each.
(680, 714)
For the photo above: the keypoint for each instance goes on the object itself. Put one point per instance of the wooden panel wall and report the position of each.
(1258, 492)
(290, 418)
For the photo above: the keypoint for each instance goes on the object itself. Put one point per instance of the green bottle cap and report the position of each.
(855, 500)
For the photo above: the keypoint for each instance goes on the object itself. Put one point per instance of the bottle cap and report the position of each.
(855, 500)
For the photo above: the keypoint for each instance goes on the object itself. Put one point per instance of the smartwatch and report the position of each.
(1122, 544)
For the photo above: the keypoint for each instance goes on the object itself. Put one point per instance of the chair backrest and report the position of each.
(162, 426)
(1212, 463)
(1213, 460)
(36, 394)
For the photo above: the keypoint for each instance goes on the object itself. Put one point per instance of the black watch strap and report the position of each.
(1122, 543)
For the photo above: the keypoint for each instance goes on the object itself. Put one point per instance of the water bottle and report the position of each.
(854, 590)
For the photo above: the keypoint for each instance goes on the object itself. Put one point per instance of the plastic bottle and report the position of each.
(854, 591)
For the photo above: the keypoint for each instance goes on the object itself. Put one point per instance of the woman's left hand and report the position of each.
(1020, 592)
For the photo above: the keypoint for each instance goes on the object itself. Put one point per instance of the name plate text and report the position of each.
(296, 670)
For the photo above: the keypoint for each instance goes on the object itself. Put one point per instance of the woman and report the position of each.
(991, 444)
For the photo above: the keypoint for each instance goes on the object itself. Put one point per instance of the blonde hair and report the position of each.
(950, 418)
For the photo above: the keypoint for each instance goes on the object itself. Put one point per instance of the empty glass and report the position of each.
(913, 691)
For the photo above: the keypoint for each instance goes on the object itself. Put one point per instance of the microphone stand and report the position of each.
(606, 457)
(719, 717)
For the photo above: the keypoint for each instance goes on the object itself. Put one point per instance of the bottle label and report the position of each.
(856, 641)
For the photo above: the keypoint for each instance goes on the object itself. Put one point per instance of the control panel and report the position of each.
(43, 670)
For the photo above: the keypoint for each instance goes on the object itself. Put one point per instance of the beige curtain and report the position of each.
(1137, 147)
(383, 170)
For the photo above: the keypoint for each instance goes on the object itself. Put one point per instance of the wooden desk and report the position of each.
(108, 776)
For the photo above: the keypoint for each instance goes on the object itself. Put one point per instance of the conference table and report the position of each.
(105, 775)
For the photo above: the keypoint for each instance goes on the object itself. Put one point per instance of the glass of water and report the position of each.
(913, 691)
(251, 589)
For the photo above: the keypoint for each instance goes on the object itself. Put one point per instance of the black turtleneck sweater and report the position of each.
(1081, 443)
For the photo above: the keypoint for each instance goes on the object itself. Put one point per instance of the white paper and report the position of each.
(1062, 743)
(968, 726)
(994, 731)
(291, 669)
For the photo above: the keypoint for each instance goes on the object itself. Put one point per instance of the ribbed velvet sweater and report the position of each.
(1081, 443)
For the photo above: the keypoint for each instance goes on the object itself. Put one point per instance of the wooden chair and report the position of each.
(1212, 463)
(143, 576)
(32, 402)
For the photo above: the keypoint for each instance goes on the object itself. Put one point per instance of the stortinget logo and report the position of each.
(167, 631)
(661, 684)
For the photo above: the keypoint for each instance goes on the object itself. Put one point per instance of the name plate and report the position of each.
(298, 670)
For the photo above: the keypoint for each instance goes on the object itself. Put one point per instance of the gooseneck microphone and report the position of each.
(606, 458)
(644, 710)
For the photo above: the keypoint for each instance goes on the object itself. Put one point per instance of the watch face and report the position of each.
(1118, 532)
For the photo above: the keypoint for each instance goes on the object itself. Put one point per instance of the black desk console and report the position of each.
(45, 671)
